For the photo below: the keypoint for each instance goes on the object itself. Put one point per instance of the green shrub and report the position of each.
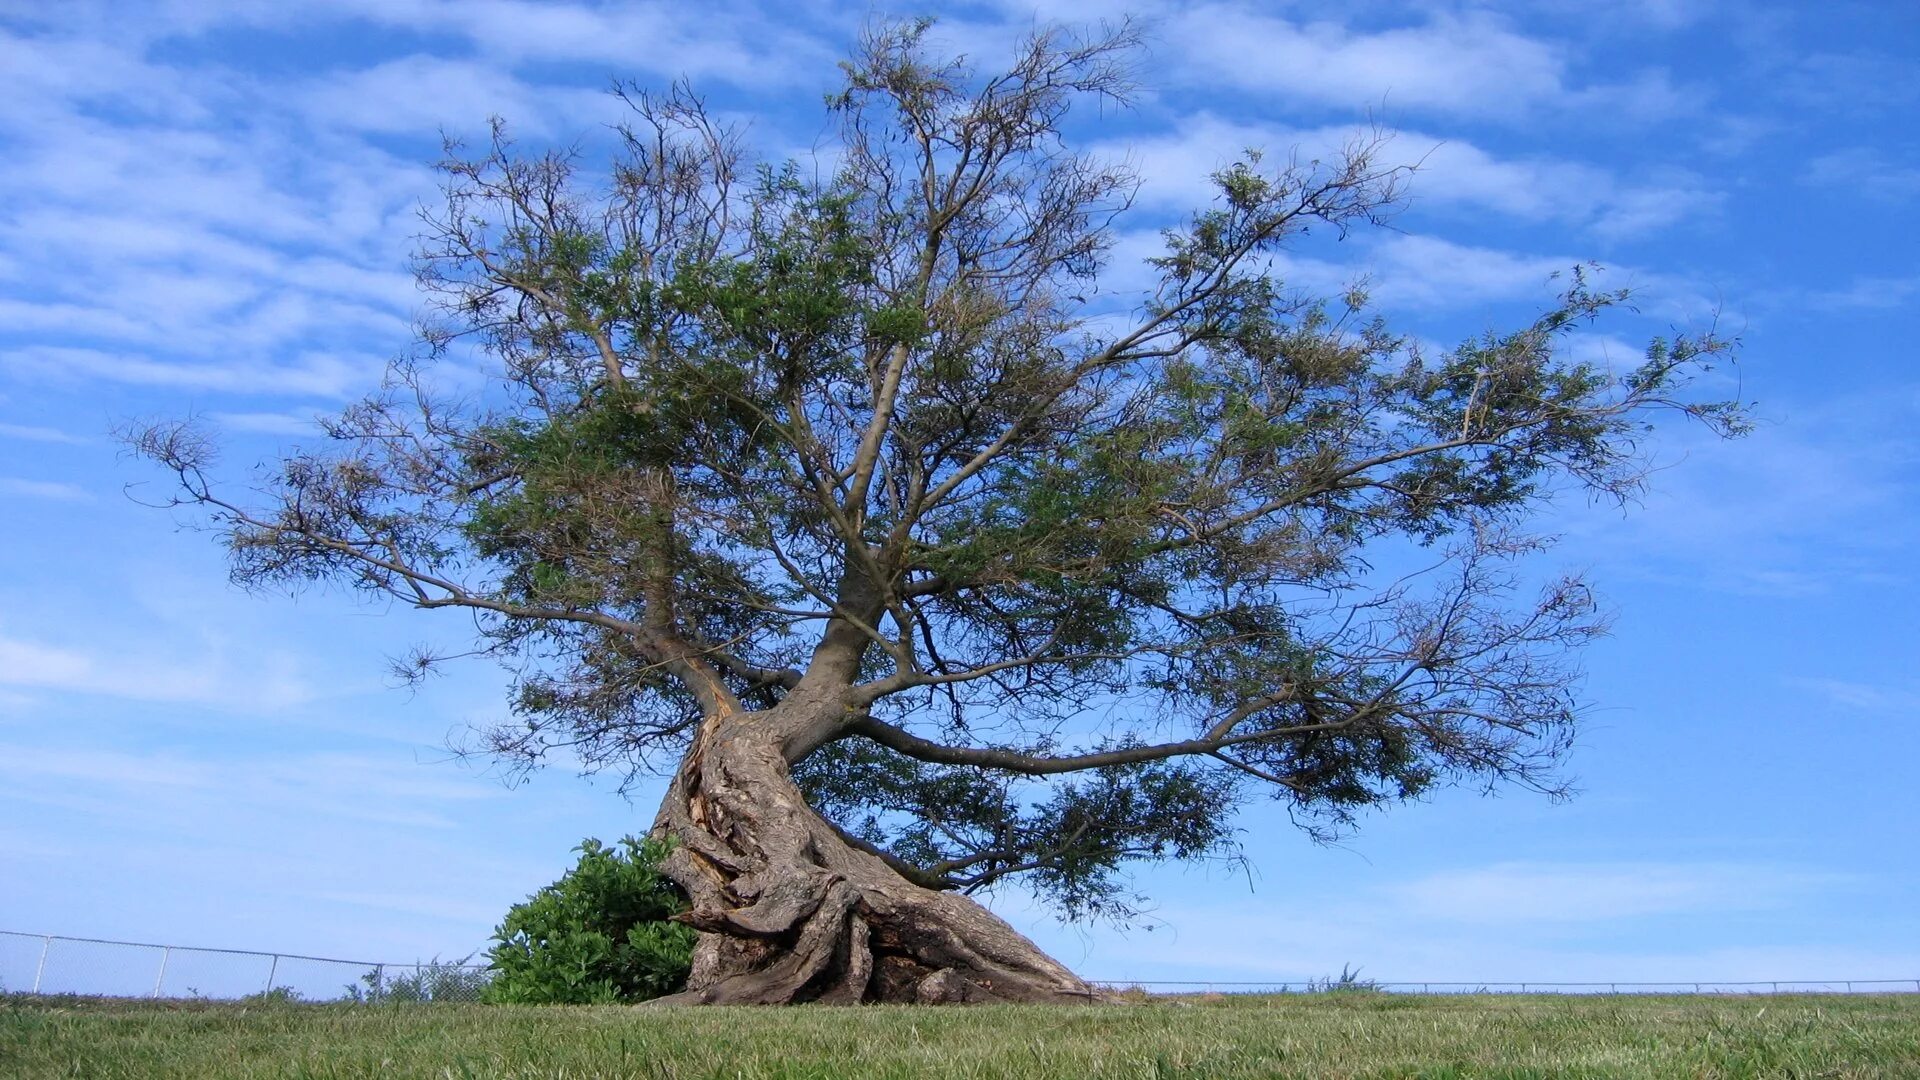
(599, 934)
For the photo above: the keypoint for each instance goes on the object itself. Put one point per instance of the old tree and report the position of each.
(848, 497)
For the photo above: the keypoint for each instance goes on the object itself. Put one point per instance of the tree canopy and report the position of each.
(1064, 576)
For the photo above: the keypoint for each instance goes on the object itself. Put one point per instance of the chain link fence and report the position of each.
(51, 964)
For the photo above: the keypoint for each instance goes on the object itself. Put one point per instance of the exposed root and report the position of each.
(789, 912)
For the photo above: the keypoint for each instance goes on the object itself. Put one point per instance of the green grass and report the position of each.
(1310, 1035)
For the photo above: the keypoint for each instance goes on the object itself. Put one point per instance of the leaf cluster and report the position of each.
(601, 933)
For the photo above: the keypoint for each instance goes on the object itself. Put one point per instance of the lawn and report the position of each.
(1308, 1035)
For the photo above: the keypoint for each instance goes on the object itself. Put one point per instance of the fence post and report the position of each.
(166, 952)
(379, 980)
(272, 970)
(46, 945)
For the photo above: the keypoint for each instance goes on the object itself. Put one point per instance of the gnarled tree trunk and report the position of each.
(789, 912)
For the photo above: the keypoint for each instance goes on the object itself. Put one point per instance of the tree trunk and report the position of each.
(789, 912)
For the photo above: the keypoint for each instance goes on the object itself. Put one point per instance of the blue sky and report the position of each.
(206, 208)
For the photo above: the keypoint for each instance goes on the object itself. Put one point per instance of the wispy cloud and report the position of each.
(361, 787)
(420, 94)
(1569, 921)
(724, 41)
(268, 423)
(313, 374)
(1867, 294)
(1865, 697)
(59, 491)
(193, 245)
(1174, 167)
(1429, 272)
(1627, 16)
(1863, 170)
(1473, 64)
(1857, 81)
(1522, 892)
(206, 673)
(1461, 65)
(1809, 502)
(35, 433)
(433, 906)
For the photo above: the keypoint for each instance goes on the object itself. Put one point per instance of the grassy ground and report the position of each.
(1320, 1035)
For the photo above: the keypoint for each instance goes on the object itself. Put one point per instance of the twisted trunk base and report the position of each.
(789, 912)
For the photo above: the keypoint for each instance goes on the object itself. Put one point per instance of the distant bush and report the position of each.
(435, 980)
(1348, 982)
(599, 934)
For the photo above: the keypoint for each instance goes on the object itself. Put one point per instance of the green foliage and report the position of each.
(970, 828)
(599, 934)
(421, 984)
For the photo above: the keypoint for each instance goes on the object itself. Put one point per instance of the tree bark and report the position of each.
(789, 912)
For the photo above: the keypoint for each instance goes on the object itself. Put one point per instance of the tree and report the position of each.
(921, 564)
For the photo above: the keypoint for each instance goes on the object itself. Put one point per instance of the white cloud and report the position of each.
(43, 489)
(1468, 65)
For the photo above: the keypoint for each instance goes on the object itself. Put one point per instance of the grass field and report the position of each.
(1309, 1035)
